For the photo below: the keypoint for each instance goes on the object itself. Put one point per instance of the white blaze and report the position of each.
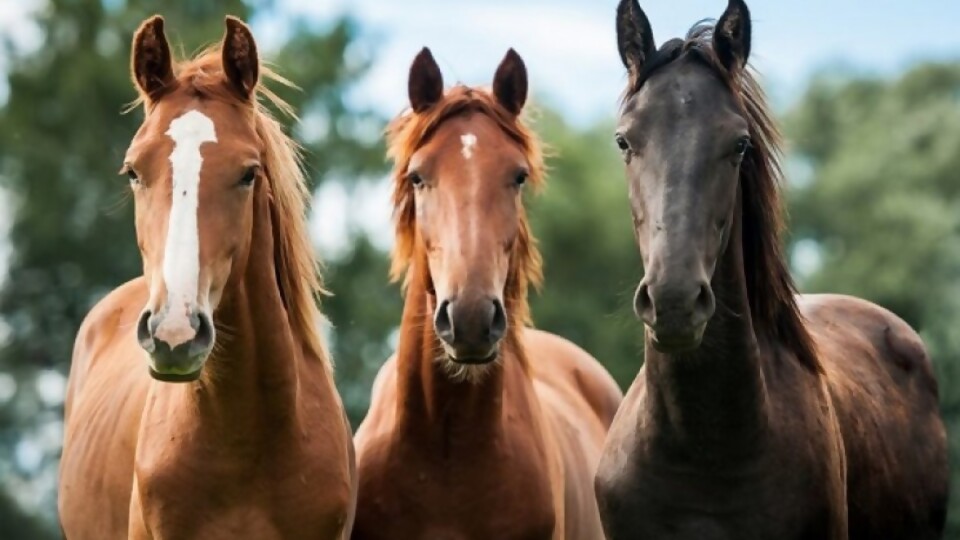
(469, 140)
(181, 257)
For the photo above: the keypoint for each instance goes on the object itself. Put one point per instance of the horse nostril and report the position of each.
(145, 331)
(498, 326)
(643, 304)
(705, 303)
(195, 320)
(203, 340)
(442, 323)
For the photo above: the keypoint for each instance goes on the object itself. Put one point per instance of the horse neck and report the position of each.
(713, 398)
(431, 405)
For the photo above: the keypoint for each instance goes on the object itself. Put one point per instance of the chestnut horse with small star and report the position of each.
(758, 413)
(201, 403)
(479, 427)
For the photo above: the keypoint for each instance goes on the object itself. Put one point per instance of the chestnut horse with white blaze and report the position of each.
(479, 427)
(758, 414)
(201, 403)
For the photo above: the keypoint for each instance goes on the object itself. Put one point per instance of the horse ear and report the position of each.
(150, 62)
(731, 36)
(425, 85)
(634, 37)
(510, 82)
(241, 64)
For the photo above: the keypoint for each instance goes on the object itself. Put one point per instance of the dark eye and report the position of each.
(743, 144)
(415, 179)
(521, 178)
(622, 143)
(249, 177)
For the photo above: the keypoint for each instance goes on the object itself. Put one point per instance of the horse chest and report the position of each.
(779, 493)
(411, 496)
(775, 497)
(645, 504)
(254, 510)
(271, 498)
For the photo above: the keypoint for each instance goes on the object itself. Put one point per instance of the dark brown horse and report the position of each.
(757, 414)
(201, 402)
(479, 427)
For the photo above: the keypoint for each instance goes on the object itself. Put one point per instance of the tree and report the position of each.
(591, 262)
(877, 216)
(365, 310)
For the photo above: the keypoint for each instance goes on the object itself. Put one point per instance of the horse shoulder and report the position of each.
(574, 373)
(874, 364)
(103, 326)
(104, 401)
(860, 339)
(383, 405)
(104, 375)
(579, 399)
(372, 441)
(883, 388)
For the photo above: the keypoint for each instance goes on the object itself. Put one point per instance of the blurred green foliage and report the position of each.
(591, 264)
(873, 204)
(877, 198)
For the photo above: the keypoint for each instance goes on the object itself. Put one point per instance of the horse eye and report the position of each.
(622, 143)
(415, 178)
(522, 178)
(249, 176)
(742, 145)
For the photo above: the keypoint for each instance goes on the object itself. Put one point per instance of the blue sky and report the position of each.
(570, 46)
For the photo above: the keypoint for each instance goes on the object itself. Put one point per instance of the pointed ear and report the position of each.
(241, 64)
(731, 36)
(510, 82)
(634, 37)
(425, 85)
(150, 62)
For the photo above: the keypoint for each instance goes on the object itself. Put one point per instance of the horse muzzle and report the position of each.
(177, 351)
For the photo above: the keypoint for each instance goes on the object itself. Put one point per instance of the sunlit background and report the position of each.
(868, 94)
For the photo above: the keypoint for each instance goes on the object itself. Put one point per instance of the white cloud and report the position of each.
(340, 212)
(16, 23)
(564, 46)
(374, 212)
(17, 26)
(328, 220)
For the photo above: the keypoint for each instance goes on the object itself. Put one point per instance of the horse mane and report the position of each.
(297, 267)
(407, 133)
(770, 287)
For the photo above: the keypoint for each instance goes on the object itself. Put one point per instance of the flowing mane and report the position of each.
(408, 132)
(770, 287)
(297, 267)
